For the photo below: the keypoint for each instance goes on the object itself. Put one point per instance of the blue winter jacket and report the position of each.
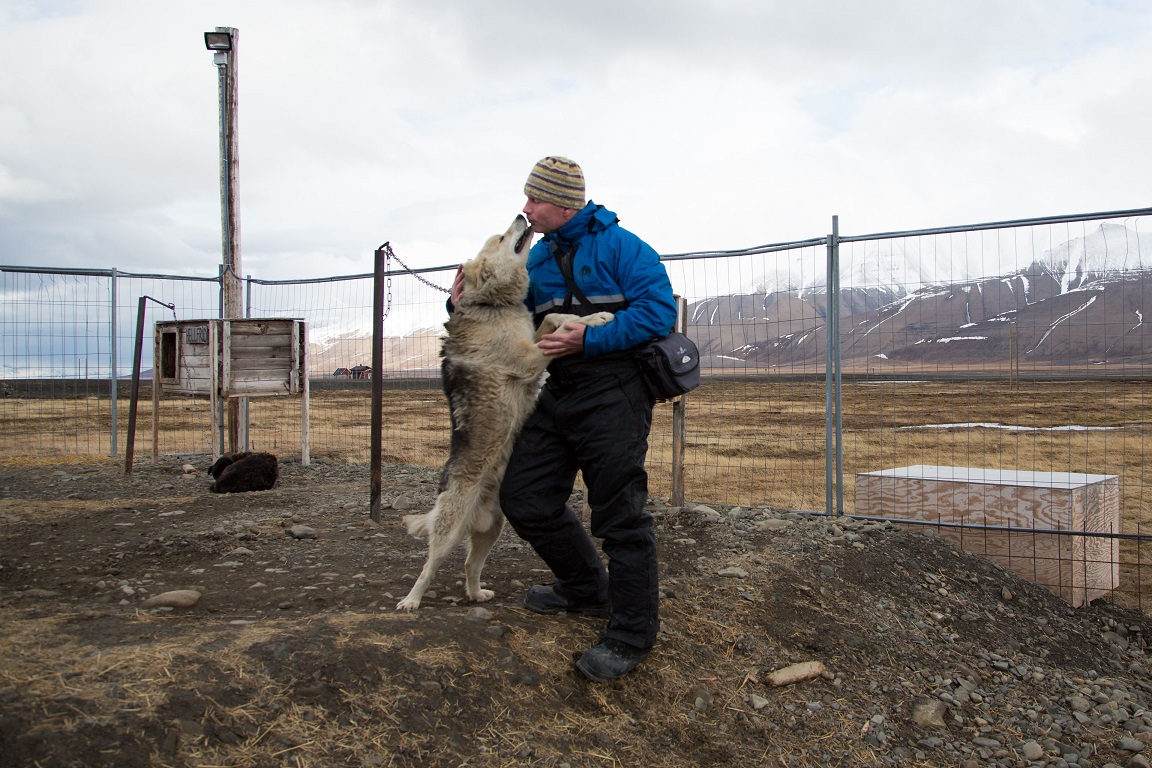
(616, 271)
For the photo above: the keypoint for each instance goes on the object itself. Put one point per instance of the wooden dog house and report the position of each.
(231, 358)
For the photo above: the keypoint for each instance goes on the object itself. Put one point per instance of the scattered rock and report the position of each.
(177, 598)
(1129, 744)
(796, 673)
(929, 713)
(701, 698)
(1031, 750)
(301, 532)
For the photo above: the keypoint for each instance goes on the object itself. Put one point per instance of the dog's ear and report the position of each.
(478, 272)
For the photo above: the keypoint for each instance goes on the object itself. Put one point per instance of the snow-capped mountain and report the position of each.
(1082, 303)
(1108, 251)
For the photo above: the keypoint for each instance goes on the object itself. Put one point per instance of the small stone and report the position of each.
(1032, 751)
(701, 698)
(796, 673)
(930, 713)
(758, 702)
(1128, 744)
(177, 598)
(1006, 594)
(733, 572)
(707, 512)
(402, 503)
(301, 532)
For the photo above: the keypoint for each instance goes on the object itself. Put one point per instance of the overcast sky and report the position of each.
(703, 125)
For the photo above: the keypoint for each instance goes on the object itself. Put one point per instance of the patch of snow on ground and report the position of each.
(1011, 427)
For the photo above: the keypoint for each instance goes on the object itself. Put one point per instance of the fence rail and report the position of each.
(1015, 345)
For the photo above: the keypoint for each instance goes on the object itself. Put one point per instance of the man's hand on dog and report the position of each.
(565, 341)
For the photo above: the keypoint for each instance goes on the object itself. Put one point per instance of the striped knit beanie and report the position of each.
(556, 180)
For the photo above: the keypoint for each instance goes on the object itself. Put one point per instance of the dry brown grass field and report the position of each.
(294, 657)
(748, 443)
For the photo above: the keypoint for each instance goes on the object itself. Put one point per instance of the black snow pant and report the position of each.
(593, 417)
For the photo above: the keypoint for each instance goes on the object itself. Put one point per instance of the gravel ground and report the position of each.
(787, 640)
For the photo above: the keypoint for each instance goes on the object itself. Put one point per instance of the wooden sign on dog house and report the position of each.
(226, 358)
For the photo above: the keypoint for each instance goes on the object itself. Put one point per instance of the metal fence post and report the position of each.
(828, 420)
(112, 365)
(244, 422)
(375, 470)
(837, 395)
(679, 419)
(833, 400)
(130, 445)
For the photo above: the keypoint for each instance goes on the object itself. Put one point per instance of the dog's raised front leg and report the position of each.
(596, 319)
(554, 321)
(551, 322)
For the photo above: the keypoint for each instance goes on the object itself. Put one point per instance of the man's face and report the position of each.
(546, 218)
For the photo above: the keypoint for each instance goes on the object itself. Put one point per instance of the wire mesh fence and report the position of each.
(1012, 347)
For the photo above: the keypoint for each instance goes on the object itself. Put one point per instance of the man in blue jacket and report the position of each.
(593, 415)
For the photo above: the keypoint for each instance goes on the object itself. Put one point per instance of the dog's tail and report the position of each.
(417, 525)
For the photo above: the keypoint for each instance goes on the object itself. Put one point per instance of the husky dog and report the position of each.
(241, 472)
(491, 371)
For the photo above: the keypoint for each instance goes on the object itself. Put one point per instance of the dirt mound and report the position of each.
(295, 656)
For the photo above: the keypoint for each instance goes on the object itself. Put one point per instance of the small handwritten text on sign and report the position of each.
(196, 334)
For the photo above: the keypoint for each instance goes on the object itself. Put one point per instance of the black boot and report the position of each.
(610, 660)
(543, 598)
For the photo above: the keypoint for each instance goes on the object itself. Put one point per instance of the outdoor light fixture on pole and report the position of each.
(223, 44)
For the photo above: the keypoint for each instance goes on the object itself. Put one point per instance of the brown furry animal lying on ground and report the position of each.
(241, 472)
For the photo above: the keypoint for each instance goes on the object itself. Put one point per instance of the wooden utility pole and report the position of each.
(232, 286)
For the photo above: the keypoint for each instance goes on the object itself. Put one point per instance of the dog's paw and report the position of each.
(598, 318)
(482, 595)
(408, 604)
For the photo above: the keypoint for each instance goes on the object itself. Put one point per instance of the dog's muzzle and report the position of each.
(523, 239)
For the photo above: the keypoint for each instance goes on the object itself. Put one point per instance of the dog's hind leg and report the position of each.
(440, 543)
(438, 549)
(479, 545)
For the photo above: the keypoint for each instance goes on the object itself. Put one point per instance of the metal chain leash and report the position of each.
(389, 256)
